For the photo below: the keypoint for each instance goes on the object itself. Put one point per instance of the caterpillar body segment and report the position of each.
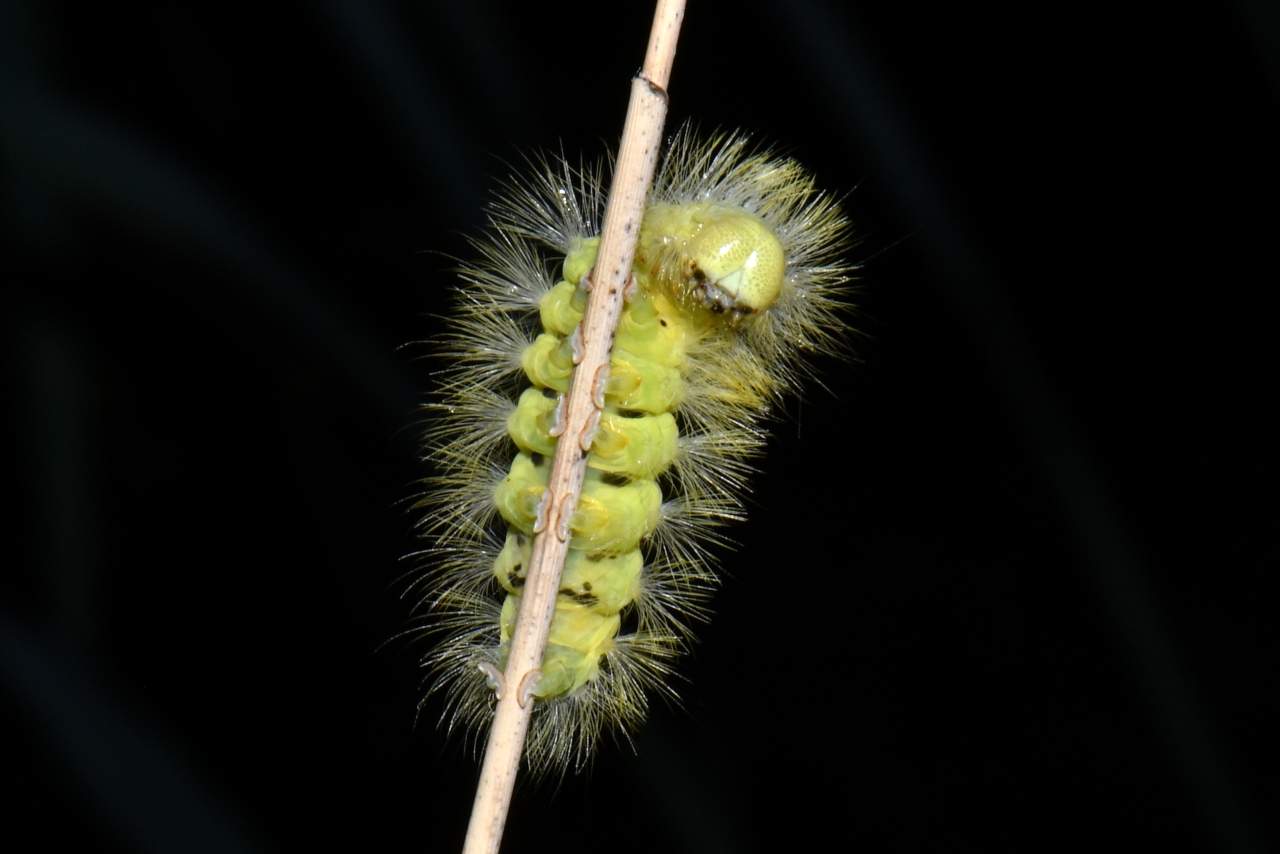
(737, 281)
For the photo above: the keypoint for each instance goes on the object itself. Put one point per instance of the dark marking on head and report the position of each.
(515, 579)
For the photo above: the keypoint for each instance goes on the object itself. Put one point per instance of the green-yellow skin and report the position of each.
(699, 267)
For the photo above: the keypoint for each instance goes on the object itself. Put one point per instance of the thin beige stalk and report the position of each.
(637, 156)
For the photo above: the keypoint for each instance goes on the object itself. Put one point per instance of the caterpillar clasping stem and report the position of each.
(637, 157)
(604, 406)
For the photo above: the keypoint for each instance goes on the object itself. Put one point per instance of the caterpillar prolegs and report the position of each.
(737, 285)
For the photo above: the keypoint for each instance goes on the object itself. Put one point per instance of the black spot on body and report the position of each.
(615, 479)
(537, 458)
(587, 599)
(662, 321)
(549, 392)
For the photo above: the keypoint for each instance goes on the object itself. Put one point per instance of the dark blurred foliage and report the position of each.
(1005, 583)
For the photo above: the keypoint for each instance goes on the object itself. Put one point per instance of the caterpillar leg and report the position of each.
(494, 679)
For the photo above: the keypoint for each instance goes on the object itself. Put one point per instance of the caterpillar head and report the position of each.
(736, 260)
(716, 253)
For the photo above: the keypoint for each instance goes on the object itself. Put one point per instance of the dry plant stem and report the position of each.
(637, 156)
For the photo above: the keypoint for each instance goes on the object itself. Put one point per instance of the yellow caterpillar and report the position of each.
(738, 281)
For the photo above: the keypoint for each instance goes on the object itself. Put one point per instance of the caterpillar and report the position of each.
(738, 284)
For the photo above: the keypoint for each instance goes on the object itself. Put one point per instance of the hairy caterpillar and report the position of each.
(737, 283)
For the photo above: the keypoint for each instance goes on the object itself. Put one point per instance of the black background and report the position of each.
(1005, 584)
